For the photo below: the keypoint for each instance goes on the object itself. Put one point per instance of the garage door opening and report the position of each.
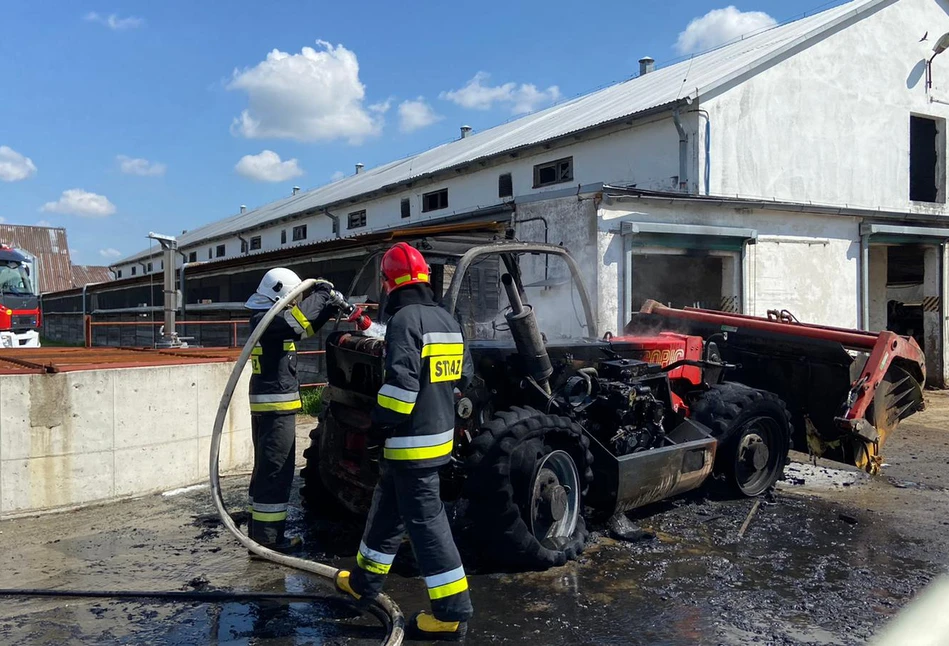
(678, 280)
(905, 274)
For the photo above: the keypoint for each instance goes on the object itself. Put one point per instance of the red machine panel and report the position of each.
(668, 347)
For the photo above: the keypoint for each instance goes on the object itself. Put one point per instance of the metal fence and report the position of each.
(76, 329)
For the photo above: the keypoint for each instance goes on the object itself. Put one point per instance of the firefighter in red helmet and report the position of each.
(426, 361)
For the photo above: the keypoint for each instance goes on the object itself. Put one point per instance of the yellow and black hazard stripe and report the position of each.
(931, 303)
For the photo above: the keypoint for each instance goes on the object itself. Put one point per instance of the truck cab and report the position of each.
(19, 303)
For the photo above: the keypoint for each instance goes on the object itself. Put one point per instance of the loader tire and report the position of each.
(518, 488)
(315, 496)
(753, 428)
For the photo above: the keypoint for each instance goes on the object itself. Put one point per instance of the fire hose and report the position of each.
(383, 608)
(382, 603)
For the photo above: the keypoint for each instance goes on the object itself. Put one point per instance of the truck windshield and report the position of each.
(15, 279)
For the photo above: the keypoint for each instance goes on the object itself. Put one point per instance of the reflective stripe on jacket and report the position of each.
(426, 360)
(274, 386)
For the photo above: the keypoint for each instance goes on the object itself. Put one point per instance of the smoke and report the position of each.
(550, 289)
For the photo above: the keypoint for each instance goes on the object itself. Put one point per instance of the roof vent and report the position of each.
(243, 208)
(359, 168)
(646, 65)
(296, 189)
(465, 131)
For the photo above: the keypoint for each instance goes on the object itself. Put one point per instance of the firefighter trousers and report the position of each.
(407, 499)
(274, 438)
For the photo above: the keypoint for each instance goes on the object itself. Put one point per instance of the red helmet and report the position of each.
(403, 265)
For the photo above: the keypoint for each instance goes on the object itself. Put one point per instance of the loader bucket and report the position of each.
(847, 390)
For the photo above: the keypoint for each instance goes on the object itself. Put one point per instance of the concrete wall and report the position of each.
(80, 437)
(645, 154)
(831, 124)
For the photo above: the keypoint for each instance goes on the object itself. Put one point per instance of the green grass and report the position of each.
(312, 401)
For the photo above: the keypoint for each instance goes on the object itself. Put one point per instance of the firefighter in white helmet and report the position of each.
(275, 400)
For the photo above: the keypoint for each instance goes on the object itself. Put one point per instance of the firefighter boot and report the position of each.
(423, 626)
(344, 585)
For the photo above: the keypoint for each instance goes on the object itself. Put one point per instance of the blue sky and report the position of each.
(126, 117)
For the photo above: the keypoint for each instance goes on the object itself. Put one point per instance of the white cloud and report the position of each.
(2, 220)
(14, 166)
(720, 26)
(267, 167)
(521, 99)
(139, 166)
(76, 201)
(110, 253)
(112, 21)
(44, 223)
(382, 107)
(338, 175)
(315, 95)
(415, 115)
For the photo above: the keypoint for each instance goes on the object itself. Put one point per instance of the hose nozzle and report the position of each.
(353, 313)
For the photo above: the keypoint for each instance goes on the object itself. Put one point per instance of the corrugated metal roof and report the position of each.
(51, 249)
(86, 274)
(488, 224)
(693, 77)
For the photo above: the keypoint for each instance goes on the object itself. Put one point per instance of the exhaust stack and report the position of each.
(527, 338)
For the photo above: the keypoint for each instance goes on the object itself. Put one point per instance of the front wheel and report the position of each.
(528, 474)
(754, 432)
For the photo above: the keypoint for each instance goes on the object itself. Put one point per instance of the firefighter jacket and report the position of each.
(274, 387)
(426, 360)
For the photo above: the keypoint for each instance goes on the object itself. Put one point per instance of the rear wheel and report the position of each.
(753, 428)
(315, 496)
(528, 473)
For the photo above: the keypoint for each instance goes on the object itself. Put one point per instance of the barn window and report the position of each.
(356, 219)
(220, 251)
(283, 237)
(927, 168)
(255, 243)
(406, 208)
(555, 172)
(134, 270)
(118, 274)
(435, 200)
(505, 185)
(299, 233)
(193, 256)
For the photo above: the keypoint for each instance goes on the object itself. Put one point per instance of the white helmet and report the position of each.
(275, 284)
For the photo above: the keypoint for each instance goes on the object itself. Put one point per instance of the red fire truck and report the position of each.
(19, 303)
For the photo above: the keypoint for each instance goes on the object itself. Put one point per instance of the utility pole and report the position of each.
(169, 336)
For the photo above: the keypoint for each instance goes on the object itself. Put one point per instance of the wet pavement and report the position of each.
(826, 561)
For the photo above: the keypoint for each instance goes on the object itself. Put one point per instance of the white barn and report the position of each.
(800, 168)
